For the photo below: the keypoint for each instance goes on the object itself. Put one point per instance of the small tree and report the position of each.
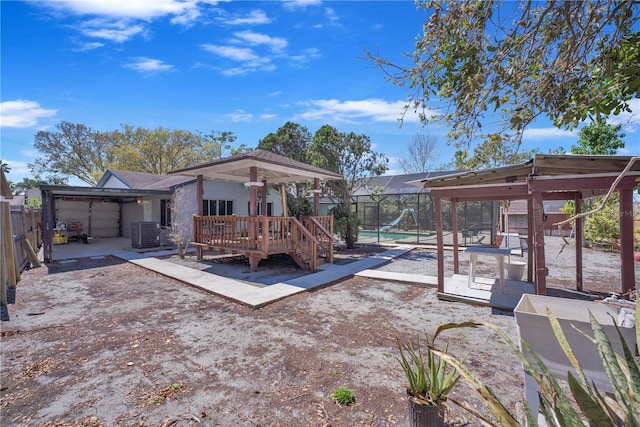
(351, 156)
(422, 152)
(180, 220)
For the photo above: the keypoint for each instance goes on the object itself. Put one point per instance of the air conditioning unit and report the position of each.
(145, 234)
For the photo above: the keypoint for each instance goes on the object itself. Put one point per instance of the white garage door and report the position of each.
(99, 219)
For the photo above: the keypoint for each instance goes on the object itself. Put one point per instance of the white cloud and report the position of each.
(88, 46)
(255, 17)
(256, 39)
(18, 167)
(232, 52)
(377, 110)
(239, 116)
(537, 134)
(304, 57)
(332, 16)
(22, 113)
(118, 32)
(121, 20)
(292, 5)
(149, 66)
(250, 60)
(146, 10)
(268, 116)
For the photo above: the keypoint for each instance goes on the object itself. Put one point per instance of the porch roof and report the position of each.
(274, 168)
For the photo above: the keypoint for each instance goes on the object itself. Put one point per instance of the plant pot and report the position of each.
(515, 270)
(421, 415)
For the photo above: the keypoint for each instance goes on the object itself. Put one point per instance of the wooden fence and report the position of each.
(21, 237)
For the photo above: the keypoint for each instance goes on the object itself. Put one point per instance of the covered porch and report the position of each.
(308, 240)
(546, 177)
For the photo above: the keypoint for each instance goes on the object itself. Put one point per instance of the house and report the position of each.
(123, 198)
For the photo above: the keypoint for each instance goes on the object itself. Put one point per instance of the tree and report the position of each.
(181, 219)
(495, 66)
(161, 150)
(351, 156)
(76, 150)
(291, 140)
(422, 150)
(599, 137)
(26, 184)
(5, 167)
(73, 150)
(492, 152)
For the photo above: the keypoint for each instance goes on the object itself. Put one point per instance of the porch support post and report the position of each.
(454, 234)
(265, 191)
(283, 196)
(199, 194)
(316, 197)
(439, 241)
(538, 243)
(253, 191)
(578, 202)
(626, 240)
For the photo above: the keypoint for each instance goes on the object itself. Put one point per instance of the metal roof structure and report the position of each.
(545, 177)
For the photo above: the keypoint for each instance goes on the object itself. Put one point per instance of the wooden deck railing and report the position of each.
(321, 227)
(259, 237)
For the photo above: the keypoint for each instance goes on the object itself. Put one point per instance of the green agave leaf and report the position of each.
(566, 347)
(502, 414)
(589, 404)
(552, 392)
(621, 383)
(609, 360)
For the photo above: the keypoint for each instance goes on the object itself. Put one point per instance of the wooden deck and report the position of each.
(309, 241)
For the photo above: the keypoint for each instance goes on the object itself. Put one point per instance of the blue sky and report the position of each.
(245, 66)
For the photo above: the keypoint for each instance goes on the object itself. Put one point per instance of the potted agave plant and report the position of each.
(429, 384)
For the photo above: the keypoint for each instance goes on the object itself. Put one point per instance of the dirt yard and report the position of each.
(106, 343)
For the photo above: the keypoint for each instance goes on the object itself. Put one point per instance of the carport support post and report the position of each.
(48, 222)
(454, 234)
(439, 242)
(626, 240)
(538, 243)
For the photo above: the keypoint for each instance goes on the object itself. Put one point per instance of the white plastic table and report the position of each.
(498, 253)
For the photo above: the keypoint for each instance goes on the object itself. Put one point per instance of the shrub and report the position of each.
(344, 396)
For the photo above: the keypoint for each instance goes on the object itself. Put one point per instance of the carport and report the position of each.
(99, 210)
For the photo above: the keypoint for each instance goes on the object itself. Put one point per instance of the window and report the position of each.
(269, 208)
(165, 212)
(217, 207)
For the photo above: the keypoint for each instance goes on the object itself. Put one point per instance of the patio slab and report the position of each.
(255, 295)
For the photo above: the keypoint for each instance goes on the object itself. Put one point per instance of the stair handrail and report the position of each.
(300, 249)
(328, 234)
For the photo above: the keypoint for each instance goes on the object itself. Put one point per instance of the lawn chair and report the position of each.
(524, 245)
(470, 234)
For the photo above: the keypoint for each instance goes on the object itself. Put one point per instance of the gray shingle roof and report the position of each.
(145, 181)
